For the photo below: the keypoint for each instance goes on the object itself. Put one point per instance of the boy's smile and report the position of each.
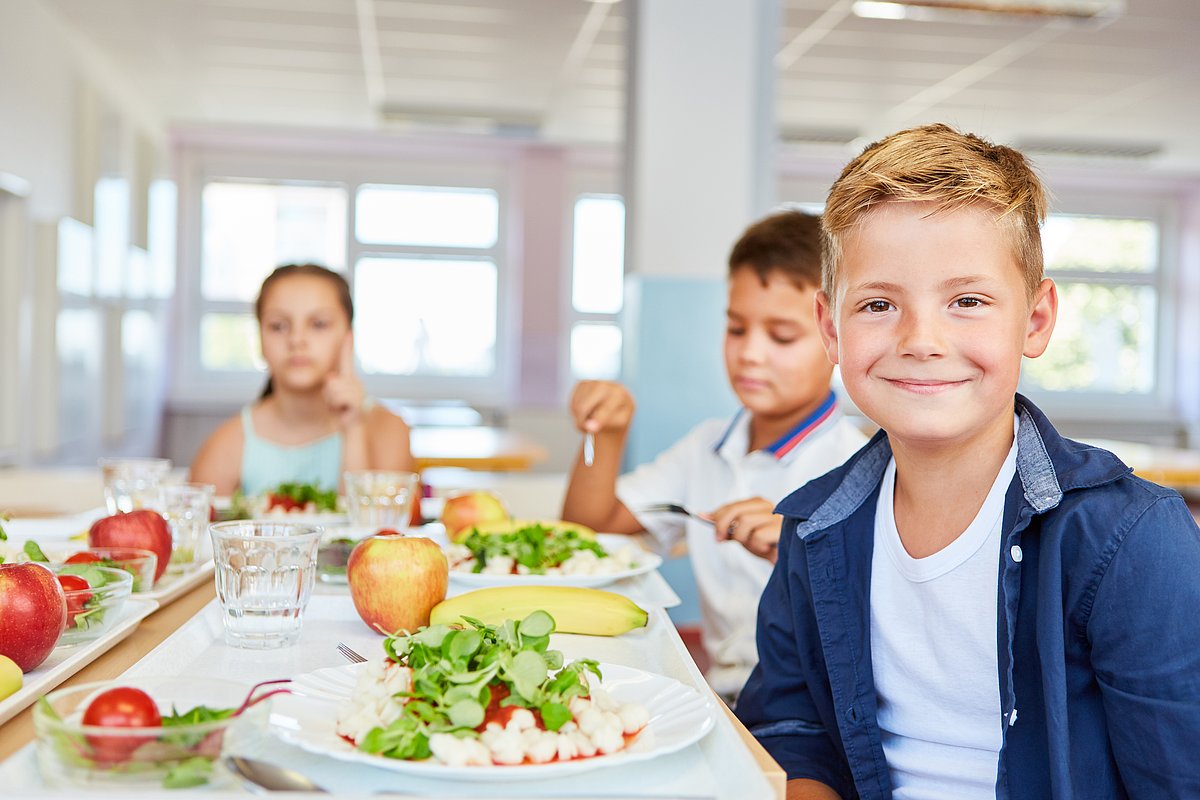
(932, 321)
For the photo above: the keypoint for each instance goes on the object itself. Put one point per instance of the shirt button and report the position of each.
(1016, 553)
(852, 714)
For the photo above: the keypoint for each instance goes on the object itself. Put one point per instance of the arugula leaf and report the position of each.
(189, 773)
(34, 552)
(460, 674)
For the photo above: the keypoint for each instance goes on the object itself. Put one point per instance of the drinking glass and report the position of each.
(264, 575)
(132, 483)
(381, 499)
(186, 508)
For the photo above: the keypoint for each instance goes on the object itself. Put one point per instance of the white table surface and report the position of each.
(718, 766)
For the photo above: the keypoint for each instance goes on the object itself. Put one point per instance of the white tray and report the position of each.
(66, 661)
(718, 766)
(170, 587)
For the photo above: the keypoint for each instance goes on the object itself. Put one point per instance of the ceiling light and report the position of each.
(941, 9)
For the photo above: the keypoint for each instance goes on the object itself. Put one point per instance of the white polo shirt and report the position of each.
(708, 467)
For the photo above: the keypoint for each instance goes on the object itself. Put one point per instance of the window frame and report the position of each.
(194, 386)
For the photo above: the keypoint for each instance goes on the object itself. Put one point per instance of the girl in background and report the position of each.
(313, 420)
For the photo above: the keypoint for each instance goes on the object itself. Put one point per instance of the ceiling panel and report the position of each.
(301, 61)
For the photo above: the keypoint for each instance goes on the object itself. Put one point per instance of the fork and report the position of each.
(351, 655)
(672, 508)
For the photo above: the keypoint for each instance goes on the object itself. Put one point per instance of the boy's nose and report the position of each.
(921, 336)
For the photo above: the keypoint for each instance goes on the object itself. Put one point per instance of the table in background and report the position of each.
(474, 447)
(1170, 466)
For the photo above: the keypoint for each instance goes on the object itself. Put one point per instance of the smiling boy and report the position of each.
(732, 471)
(972, 606)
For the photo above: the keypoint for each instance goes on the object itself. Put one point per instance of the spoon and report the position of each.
(259, 775)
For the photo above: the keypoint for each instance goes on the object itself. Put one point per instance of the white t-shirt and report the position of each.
(933, 651)
(708, 467)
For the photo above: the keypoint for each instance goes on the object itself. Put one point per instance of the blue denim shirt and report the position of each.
(1098, 630)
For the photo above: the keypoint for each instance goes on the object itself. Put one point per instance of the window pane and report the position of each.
(1100, 244)
(230, 342)
(432, 216)
(74, 257)
(251, 228)
(79, 339)
(598, 263)
(161, 238)
(425, 316)
(1103, 342)
(112, 234)
(595, 351)
(141, 346)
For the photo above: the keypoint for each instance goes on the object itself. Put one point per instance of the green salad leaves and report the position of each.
(459, 674)
(535, 547)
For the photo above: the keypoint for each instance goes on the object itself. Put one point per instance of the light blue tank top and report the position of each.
(265, 464)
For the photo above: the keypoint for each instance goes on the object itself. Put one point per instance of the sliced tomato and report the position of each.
(282, 501)
(84, 557)
(78, 594)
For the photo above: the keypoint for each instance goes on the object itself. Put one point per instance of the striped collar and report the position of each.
(789, 441)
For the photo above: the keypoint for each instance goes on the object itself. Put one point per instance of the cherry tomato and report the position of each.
(122, 707)
(78, 595)
(282, 501)
(84, 557)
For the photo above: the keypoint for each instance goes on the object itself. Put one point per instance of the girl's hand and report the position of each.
(601, 405)
(343, 390)
(753, 523)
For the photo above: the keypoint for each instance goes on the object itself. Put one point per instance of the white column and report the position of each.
(700, 133)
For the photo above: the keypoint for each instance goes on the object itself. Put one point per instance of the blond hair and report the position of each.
(939, 165)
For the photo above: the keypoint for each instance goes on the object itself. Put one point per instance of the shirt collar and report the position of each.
(738, 430)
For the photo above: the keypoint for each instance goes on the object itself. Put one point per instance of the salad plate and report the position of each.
(65, 661)
(679, 716)
(643, 562)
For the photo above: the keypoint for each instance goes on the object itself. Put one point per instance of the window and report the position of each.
(1106, 338)
(597, 286)
(422, 260)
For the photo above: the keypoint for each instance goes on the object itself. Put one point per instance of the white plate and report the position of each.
(66, 661)
(679, 716)
(317, 518)
(611, 542)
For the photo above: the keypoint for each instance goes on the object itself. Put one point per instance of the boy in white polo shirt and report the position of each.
(732, 471)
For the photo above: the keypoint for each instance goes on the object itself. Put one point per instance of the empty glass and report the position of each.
(186, 507)
(264, 575)
(132, 483)
(381, 499)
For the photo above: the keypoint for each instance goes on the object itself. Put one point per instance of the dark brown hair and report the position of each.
(788, 242)
(310, 270)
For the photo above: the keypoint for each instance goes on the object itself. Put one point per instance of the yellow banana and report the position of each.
(575, 610)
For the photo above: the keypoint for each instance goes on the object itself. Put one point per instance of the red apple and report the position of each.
(33, 613)
(143, 529)
(396, 580)
(467, 509)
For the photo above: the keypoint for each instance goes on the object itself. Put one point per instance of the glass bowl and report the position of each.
(178, 755)
(93, 611)
(138, 563)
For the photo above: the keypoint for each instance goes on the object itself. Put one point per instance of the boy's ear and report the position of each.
(827, 325)
(1041, 319)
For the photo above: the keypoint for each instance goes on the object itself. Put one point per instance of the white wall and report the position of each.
(63, 107)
